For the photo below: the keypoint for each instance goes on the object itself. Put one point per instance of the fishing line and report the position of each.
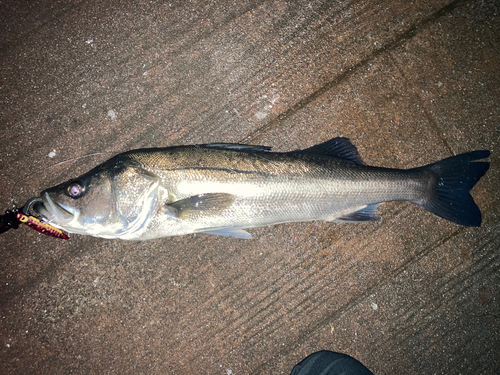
(12, 199)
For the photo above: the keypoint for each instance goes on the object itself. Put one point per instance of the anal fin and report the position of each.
(365, 214)
(226, 231)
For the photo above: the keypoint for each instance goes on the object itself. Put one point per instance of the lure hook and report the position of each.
(13, 218)
(29, 203)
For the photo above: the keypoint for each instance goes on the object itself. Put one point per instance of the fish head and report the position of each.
(113, 200)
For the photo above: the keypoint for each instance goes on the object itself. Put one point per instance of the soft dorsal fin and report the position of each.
(237, 147)
(339, 147)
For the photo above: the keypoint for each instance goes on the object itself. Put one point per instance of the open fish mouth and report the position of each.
(53, 212)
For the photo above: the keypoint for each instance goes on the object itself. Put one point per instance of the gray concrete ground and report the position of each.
(408, 82)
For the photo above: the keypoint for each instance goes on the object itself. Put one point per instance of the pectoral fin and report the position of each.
(200, 204)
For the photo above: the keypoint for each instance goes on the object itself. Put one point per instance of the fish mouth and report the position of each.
(55, 213)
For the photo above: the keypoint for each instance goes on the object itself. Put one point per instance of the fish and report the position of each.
(224, 189)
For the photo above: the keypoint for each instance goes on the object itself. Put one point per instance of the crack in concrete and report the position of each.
(342, 77)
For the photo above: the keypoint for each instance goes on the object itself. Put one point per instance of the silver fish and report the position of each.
(224, 188)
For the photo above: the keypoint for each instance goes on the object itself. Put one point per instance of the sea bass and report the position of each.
(223, 189)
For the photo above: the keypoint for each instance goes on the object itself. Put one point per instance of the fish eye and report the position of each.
(76, 189)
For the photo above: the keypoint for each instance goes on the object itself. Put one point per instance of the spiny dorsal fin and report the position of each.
(237, 147)
(339, 147)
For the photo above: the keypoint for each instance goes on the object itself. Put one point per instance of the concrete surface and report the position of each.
(408, 82)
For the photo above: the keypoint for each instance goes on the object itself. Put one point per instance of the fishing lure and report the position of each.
(13, 218)
(43, 228)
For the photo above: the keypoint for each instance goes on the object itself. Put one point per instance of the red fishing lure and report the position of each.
(37, 225)
(12, 219)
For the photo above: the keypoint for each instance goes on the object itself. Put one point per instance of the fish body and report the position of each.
(224, 188)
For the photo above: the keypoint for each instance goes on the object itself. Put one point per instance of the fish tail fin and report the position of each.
(450, 197)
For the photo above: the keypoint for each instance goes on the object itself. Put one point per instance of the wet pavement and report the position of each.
(408, 82)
